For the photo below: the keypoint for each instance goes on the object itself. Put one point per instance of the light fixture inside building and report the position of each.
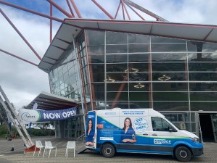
(109, 79)
(139, 85)
(164, 78)
(131, 70)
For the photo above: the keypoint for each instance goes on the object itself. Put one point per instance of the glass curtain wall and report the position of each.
(202, 76)
(64, 78)
(64, 81)
(139, 71)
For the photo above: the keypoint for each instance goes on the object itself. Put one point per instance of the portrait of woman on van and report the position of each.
(128, 133)
(90, 133)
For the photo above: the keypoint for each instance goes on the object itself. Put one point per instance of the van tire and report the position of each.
(183, 154)
(108, 150)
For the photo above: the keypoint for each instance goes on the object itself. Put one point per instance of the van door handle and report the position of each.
(145, 134)
(154, 134)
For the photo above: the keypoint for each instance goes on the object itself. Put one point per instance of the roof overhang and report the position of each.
(71, 28)
(47, 101)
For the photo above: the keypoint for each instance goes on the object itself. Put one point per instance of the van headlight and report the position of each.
(195, 139)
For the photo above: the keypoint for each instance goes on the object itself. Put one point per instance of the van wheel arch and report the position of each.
(186, 150)
(108, 150)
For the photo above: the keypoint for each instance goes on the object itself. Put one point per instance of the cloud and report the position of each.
(22, 81)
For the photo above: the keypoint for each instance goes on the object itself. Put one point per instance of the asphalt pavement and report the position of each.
(18, 156)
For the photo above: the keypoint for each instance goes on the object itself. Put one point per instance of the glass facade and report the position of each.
(107, 69)
(131, 70)
(64, 78)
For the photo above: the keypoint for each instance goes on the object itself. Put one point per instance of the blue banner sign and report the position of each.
(28, 115)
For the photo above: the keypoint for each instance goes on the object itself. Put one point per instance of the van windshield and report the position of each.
(160, 124)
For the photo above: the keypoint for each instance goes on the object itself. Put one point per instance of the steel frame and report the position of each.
(124, 5)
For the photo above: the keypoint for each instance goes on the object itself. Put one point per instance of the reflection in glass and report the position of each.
(168, 66)
(164, 78)
(135, 48)
(116, 49)
(205, 106)
(148, 69)
(139, 85)
(116, 38)
(171, 106)
(131, 70)
(135, 38)
(170, 96)
(170, 86)
(116, 67)
(139, 57)
(109, 79)
(168, 47)
(116, 58)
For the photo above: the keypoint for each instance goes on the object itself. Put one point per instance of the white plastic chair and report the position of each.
(39, 145)
(70, 145)
(49, 146)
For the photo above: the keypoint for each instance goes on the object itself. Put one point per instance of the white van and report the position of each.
(139, 131)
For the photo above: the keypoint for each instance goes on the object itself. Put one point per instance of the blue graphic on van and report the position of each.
(162, 141)
(140, 125)
(132, 131)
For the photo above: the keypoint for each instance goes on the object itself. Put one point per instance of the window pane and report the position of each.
(116, 48)
(161, 66)
(116, 67)
(133, 48)
(169, 57)
(157, 39)
(139, 57)
(96, 50)
(206, 47)
(171, 106)
(203, 86)
(98, 75)
(97, 59)
(142, 67)
(202, 66)
(138, 76)
(117, 58)
(138, 96)
(115, 77)
(159, 124)
(169, 76)
(116, 38)
(170, 96)
(204, 76)
(139, 87)
(123, 96)
(168, 47)
(134, 38)
(170, 86)
(205, 106)
(203, 96)
(116, 86)
(95, 37)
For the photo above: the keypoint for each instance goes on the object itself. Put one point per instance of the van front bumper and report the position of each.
(197, 151)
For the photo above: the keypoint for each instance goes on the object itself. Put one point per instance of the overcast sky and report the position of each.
(22, 82)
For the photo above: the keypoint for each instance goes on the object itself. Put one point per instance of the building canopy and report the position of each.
(71, 28)
(47, 101)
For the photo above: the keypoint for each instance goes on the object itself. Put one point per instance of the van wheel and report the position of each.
(183, 154)
(108, 150)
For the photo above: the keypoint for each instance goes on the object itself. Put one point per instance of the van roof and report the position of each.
(116, 108)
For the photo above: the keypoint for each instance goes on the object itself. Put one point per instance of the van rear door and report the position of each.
(90, 131)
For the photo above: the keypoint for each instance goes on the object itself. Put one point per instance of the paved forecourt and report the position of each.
(17, 156)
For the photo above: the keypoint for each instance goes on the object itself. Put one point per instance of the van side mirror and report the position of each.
(172, 130)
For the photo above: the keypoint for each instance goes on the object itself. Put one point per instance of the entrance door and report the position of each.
(214, 125)
(206, 127)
